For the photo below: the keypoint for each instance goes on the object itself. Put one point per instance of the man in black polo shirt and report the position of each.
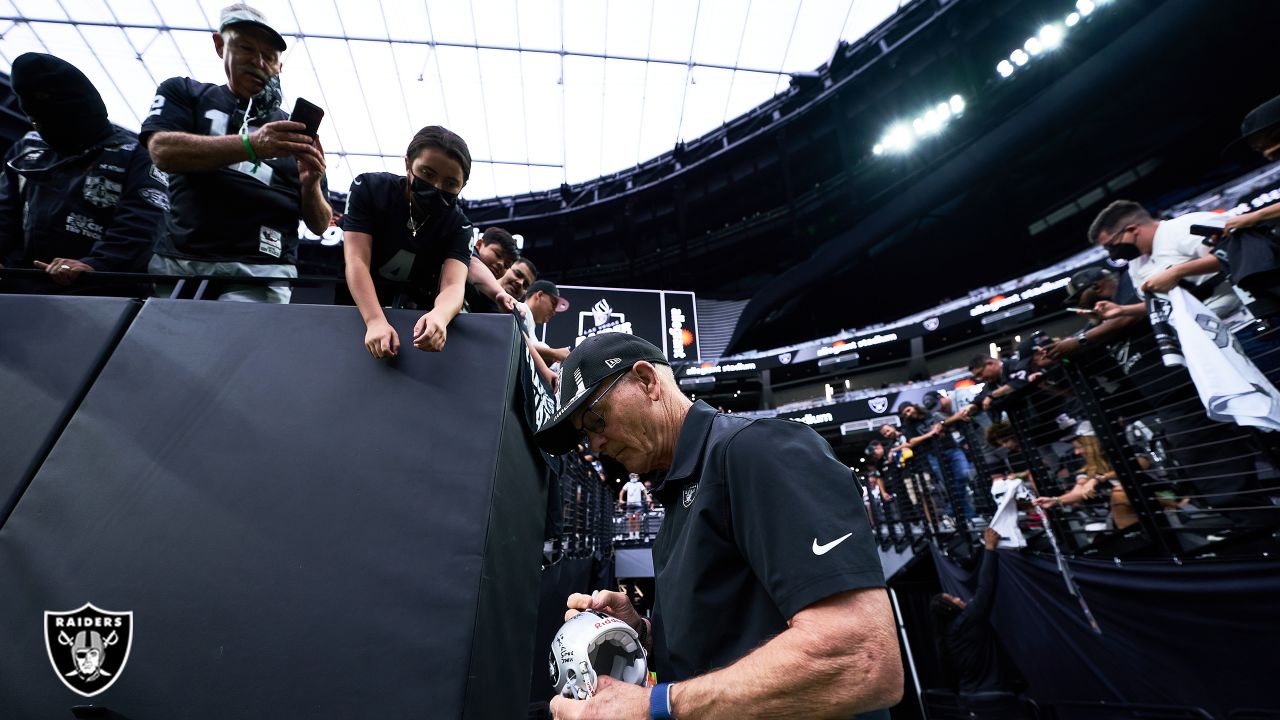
(240, 173)
(769, 598)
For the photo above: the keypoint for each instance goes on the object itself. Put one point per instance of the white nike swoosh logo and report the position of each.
(359, 181)
(824, 549)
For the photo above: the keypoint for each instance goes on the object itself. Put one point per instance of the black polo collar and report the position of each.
(690, 443)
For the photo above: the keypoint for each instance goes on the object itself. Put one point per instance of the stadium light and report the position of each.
(1050, 36)
(902, 136)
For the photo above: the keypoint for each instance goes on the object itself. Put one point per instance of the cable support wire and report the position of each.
(1115, 408)
(1194, 431)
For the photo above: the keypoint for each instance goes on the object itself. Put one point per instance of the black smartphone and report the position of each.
(308, 114)
(1205, 230)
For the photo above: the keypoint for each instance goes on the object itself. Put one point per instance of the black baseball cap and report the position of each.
(1028, 346)
(1264, 117)
(596, 360)
(1082, 281)
(549, 288)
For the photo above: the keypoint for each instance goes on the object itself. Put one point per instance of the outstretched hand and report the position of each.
(381, 340)
(429, 333)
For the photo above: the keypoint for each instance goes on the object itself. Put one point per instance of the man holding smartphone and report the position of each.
(240, 174)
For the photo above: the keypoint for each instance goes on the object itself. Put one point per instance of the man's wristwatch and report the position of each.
(660, 702)
(1081, 338)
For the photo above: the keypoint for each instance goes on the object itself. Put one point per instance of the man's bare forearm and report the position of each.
(178, 152)
(482, 277)
(817, 670)
(316, 212)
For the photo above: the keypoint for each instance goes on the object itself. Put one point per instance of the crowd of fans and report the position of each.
(219, 177)
(215, 185)
(1114, 421)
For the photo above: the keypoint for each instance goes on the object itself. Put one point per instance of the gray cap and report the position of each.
(241, 14)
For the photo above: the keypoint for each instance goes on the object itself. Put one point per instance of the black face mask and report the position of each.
(428, 199)
(1124, 251)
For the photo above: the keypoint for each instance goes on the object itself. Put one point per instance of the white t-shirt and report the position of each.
(635, 492)
(1173, 245)
(527, 319)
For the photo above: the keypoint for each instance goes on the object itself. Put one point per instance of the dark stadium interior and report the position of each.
(797, 214)
(1073, 495)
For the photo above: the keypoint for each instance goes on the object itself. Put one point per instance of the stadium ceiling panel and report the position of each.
(544, 91)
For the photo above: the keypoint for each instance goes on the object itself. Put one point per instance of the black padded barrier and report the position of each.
(51, 348)
(300, 530)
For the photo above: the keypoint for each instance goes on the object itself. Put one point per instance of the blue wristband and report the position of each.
(660, 702)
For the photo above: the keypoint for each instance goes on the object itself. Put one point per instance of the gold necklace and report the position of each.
(413, 229)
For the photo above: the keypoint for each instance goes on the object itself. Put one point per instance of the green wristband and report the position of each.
(253, 157)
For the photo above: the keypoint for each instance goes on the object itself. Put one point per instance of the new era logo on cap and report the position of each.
(595, 360)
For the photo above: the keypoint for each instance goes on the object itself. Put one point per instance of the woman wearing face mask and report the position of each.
(405, 241)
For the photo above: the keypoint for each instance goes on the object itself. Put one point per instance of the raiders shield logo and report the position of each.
(931, 324)
(88, 647)
(101, 192)
(687, 495)
(878, 404)
(785, 358)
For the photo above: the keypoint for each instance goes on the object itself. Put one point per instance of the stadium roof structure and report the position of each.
(545, 91)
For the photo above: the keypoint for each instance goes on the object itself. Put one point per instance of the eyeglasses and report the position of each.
(593, 421)
(1115, 237)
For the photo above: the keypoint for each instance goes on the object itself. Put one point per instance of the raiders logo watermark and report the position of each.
(878, 404)
(88, 647)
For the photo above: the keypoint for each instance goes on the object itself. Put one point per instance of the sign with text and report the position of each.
(666, 318)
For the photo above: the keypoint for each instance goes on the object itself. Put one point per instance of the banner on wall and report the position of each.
(1043, 296)
(666, 318)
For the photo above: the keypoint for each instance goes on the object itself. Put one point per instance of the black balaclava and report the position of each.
(64, 106)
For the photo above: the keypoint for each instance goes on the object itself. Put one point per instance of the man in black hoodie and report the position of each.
(78, 194)
(971, 652)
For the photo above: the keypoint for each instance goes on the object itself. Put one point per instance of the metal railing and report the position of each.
(585, 520)
(1165, 479)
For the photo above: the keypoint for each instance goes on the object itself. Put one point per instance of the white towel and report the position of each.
(1230, 385)
(1005, 521)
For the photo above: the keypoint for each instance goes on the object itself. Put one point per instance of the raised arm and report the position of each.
(479, 275)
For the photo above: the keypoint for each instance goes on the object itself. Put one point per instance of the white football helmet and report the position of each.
(592, 642)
